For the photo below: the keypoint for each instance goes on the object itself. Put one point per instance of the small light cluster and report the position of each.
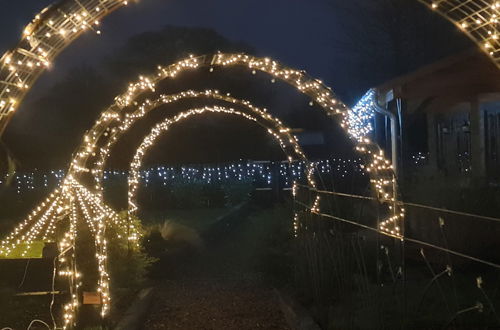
(359, 119)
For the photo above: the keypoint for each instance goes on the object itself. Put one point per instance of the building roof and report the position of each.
(464, 77)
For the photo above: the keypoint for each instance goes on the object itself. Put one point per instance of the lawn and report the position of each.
(35, 251)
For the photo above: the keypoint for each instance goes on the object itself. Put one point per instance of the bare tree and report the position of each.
(379, 39)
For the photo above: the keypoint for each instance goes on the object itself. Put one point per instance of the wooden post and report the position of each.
(478, 149)
(432, 141)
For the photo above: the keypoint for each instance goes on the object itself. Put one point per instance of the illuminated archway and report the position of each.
(74, 198)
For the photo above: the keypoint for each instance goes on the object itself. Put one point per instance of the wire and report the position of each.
(408, 239)
(25, 272)
(39, 321)
(465, 214)
(53, 290)
(488, 263)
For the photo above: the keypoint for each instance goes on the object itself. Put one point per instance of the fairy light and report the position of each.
(18, 235)
(359, 120)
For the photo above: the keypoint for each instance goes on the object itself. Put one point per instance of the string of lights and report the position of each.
(260, 172)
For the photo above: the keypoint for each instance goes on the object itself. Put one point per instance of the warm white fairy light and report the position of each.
(19, 234)
(97, 223)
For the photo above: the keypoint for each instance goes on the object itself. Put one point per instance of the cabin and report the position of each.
(447, 119)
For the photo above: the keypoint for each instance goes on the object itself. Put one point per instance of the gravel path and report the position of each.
(219, 288)
(215, 304)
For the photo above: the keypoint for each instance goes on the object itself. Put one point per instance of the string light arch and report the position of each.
(383, 179)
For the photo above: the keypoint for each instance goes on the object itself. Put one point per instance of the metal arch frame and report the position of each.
(43, 39)
(478, 19)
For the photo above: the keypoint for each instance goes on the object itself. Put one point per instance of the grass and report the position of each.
(35, 251)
